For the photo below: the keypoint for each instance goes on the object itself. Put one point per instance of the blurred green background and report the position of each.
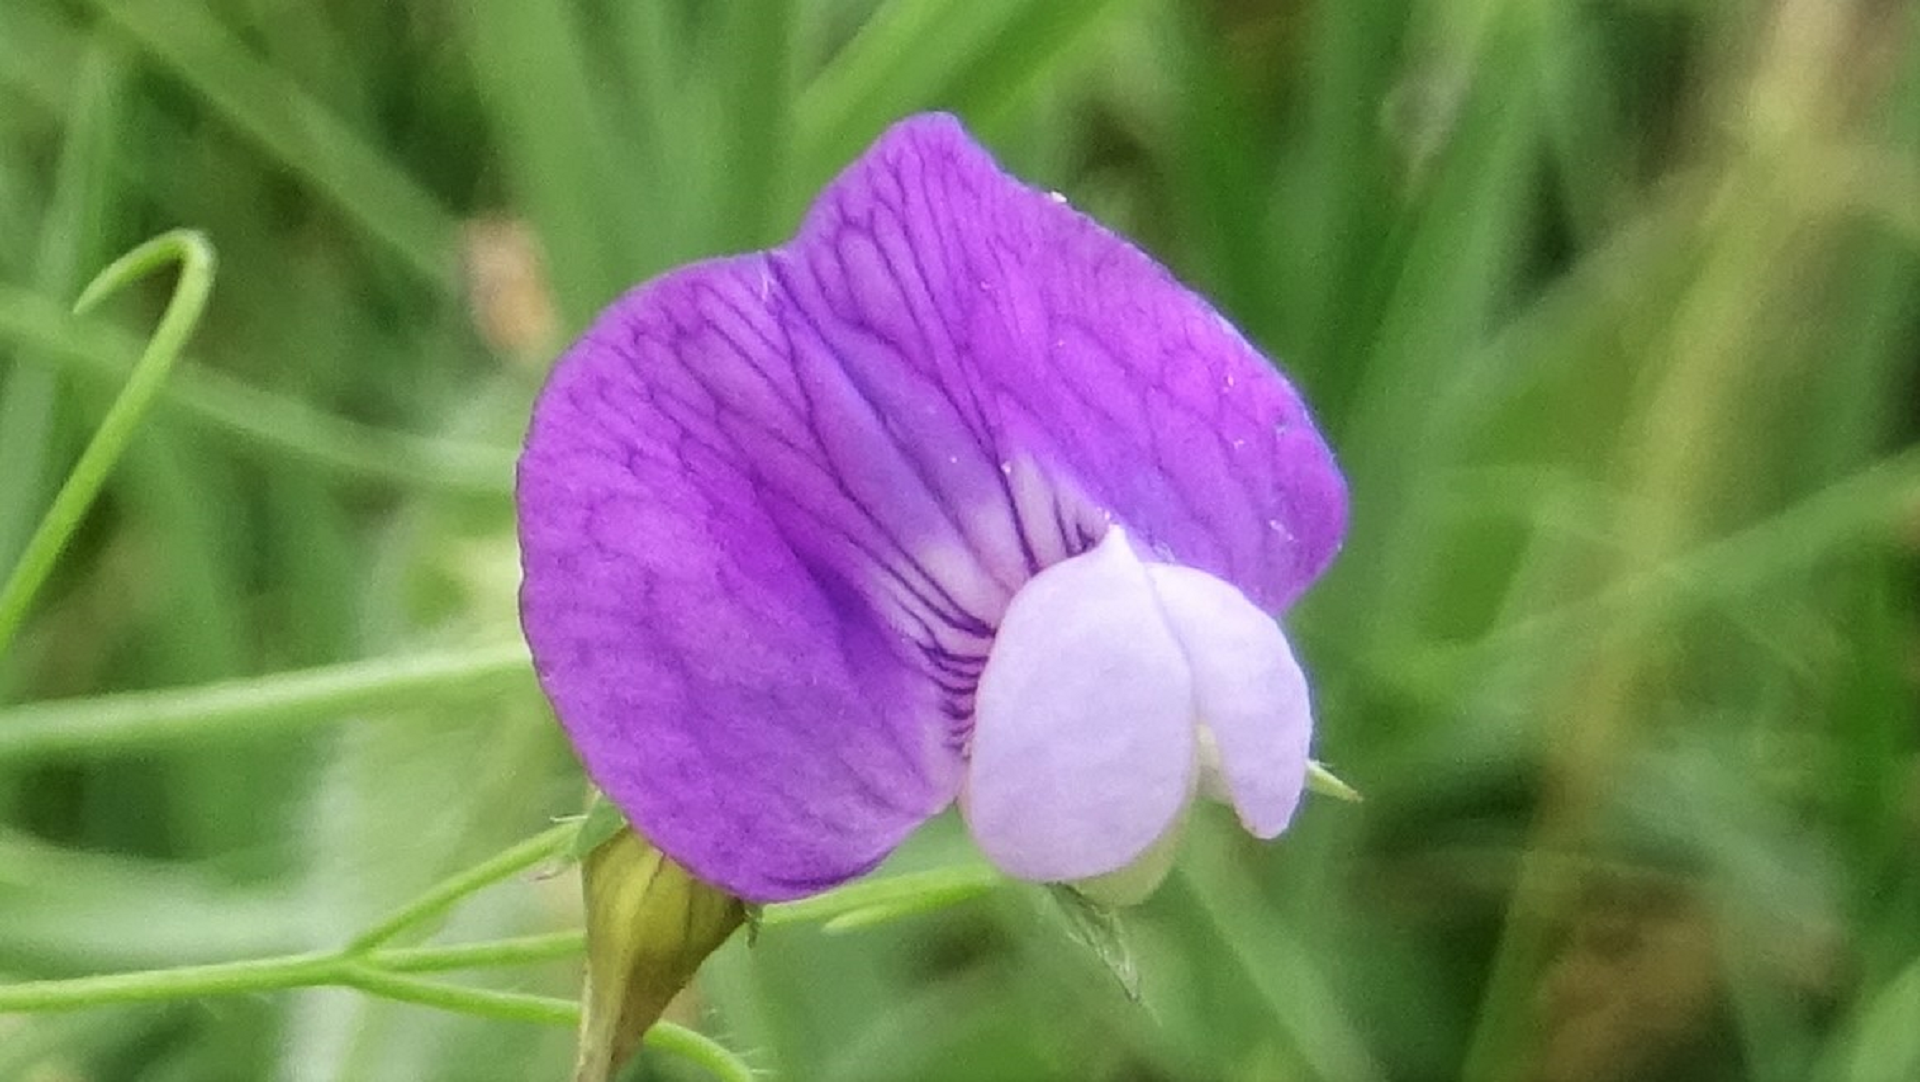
(1611, 309)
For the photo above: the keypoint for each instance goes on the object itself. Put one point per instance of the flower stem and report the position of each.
(451, 890)
(484, 1002)
(181, 982)
(859, 904)
(368, 965)
(519, 950)
(343, 970)
(697, 1048)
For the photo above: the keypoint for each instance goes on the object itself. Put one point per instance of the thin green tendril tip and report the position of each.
(195, 255)
(1322, 781)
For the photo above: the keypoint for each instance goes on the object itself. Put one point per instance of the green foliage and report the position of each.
(1608, 307)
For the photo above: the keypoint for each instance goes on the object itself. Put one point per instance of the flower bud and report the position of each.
(649, 926)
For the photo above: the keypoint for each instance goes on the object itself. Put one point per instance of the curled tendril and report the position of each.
(195, 255)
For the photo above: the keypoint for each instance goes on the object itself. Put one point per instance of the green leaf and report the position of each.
(974, 57)
(292, 128)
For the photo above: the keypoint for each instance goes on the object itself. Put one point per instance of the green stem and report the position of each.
(390, 972)
(257, 705)
(343, 970)
(484, 1002)
(697, 1048)
(913, 892)
(492, 954)
(181, 982)
(273, 974)
(451, 890)
(196, 258)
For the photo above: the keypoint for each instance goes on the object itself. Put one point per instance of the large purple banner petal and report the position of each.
(773, 507)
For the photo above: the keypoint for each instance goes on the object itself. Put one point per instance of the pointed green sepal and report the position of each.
(597, 827)
(649, 926)
(1098, 928)
(1321, 780)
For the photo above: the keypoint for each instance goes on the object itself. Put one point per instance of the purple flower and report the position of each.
(956, 495)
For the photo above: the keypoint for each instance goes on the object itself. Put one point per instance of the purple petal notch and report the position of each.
(773, 507)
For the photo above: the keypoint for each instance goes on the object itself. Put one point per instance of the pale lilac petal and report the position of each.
(1248, 691)
(1083, 741)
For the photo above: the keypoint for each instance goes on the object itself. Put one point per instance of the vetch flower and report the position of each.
(954, 496)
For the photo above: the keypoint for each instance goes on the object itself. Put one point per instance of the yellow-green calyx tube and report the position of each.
(649, 926)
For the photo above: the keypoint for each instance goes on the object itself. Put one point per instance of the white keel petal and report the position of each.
(1250, 694)
(1083, 752)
